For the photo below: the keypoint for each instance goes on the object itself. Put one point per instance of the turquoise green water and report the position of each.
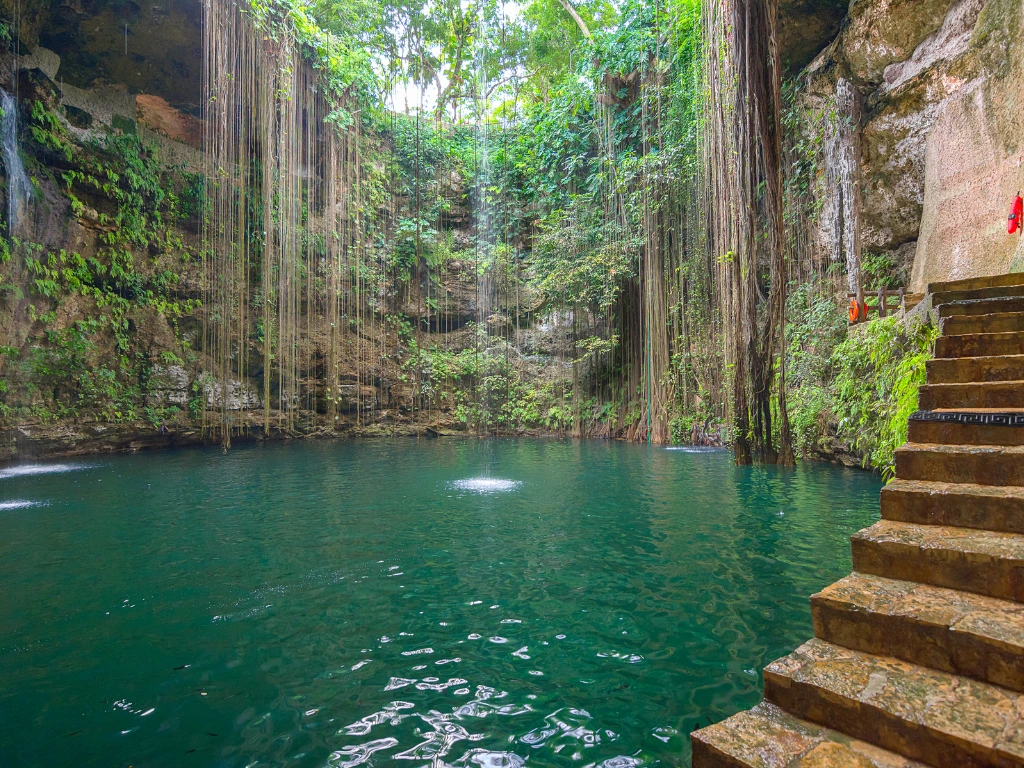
(354, 603)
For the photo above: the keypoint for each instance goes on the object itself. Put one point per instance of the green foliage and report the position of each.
(345, 65)
(550, 148)
(878, 372)
(48, 131)
(197, 399)
(492, 391)
(95, 365)
(581, 258)
(881, 270)
(128, 174)
(63, 369)
(803, 154)
(859, 388)
(815, 326)
(192, 201)
(681, 426)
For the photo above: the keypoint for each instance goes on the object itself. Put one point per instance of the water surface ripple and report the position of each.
(358, 603)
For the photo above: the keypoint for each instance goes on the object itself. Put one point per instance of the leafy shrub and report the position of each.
(877, 372)
(855, 385)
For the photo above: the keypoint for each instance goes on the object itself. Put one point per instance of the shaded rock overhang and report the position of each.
(152, 47)
(805, 28)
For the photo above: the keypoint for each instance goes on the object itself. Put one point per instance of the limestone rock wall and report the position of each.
(973, 158)
(941, 108)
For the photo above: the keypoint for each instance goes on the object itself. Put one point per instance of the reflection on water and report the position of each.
(336, 604)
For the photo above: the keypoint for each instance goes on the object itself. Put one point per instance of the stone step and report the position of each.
(978, 283)
(978, 294)
(950, 292)
(985, 562)
(769, 737)
(962, 370)
(960, 505)
(959, 632)
(974, 427)
(982, 306)
(935, 717)
(978, 394)
(999, 322)
(980, 464)
(980, 345)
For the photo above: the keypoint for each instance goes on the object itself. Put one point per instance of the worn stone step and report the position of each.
(998, 322)
(985, 562)
(980, 464)
(946, 629)
(944, 720)
(982, 306)
(976, 294)
(980, 345)
(962, 370)
(769, 737)
(978, 283)
(928, 715)
(967, 427)
(978, 394)
(959, 505)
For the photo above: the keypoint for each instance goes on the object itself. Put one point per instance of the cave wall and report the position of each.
(940, 89)
(973, 158)
(144, 48)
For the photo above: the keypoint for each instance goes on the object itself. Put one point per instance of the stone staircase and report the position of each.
(918, 655)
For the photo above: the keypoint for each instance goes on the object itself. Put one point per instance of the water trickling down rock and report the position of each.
(17, 182)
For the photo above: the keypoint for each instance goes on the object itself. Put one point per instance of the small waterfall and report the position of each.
(18, 186)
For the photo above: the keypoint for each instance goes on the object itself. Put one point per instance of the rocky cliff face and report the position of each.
(144, 48)
(940, 110)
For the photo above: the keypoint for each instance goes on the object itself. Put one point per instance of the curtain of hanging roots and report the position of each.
(742, 144)
(280, 240)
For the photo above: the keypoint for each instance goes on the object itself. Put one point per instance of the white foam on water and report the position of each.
(20, 504)
(26, 470)
(696, 448)
(485, 485)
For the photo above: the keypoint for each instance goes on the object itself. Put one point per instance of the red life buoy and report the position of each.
(1013, 221)
(854, 310)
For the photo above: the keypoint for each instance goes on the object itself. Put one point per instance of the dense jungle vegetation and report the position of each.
(641, 172)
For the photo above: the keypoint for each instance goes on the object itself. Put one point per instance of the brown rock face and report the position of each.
(805, 27)
(973, 161)
(882, 32)
(906, 95)
(941, 84)
(156, 113)
(147, 47)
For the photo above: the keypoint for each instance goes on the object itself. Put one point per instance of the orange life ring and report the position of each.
(854, 310)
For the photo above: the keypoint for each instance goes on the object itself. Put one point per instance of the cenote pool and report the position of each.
(445, 602)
